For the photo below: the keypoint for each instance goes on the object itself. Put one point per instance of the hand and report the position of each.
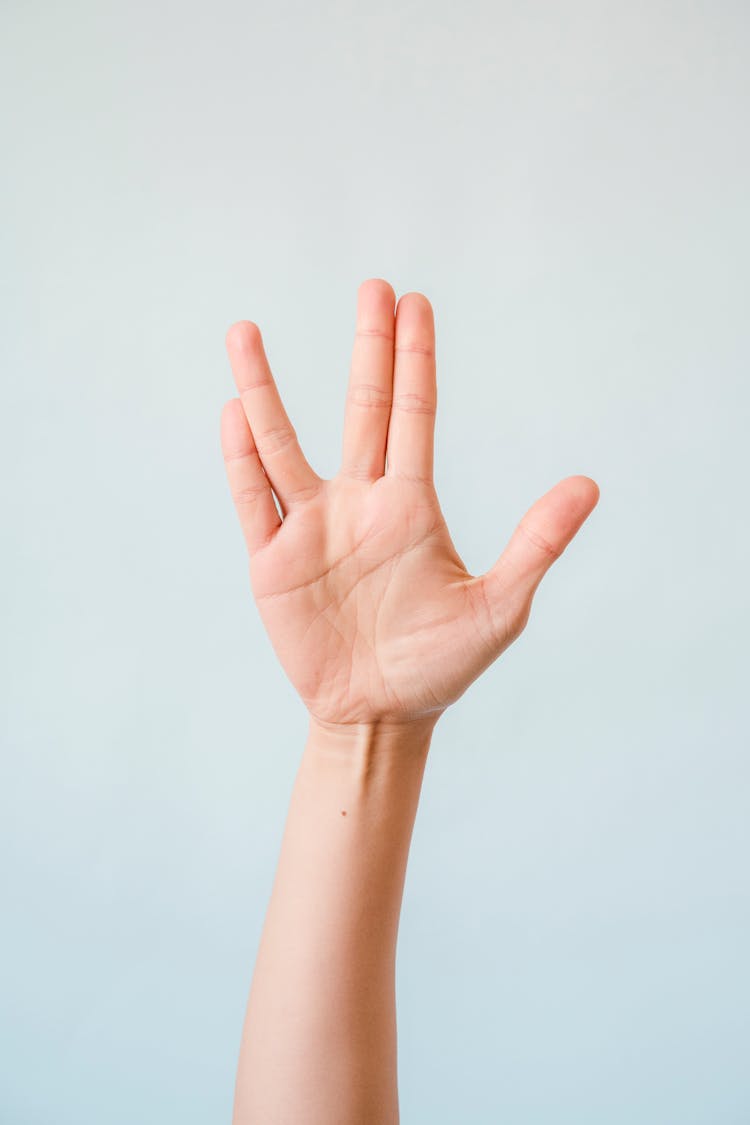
(371, 611)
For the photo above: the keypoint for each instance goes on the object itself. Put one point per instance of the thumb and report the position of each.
(542, 536)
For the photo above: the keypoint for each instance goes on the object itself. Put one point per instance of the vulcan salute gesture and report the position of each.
(380, 628)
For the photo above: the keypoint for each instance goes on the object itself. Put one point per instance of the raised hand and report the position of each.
(366, 600)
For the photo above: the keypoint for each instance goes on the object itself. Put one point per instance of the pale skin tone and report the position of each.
(380, 628)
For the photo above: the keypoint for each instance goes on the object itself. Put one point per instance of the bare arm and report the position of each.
(320, 1033)
(380, 627)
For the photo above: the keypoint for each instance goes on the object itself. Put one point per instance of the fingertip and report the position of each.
(584, 491)
(378, 284)
(420, 301)
(232, 423)
(242, 336)
(553, 521)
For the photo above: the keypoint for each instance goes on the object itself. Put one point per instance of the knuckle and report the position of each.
(275, 440)
(360, 472)
(366, 333)
(232, 455)
(415, 347)
(539, 541)
(261, 381)
(369, 395)
(249, 494)
(415, 404)
(412, 478)
(302, 492)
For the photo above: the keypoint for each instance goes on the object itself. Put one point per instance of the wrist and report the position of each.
(373, 738)
(366, 765)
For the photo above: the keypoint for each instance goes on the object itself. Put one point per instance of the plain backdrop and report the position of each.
(568, 183)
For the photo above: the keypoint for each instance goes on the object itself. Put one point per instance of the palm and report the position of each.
(368, 605)
(364, 598)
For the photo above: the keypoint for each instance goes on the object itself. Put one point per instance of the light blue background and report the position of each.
(568, 184)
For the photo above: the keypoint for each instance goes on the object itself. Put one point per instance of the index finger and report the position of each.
(292, 477)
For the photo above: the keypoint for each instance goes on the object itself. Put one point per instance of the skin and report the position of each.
(380, 628)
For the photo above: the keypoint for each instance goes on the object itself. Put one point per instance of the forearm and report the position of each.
(319, 1043)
